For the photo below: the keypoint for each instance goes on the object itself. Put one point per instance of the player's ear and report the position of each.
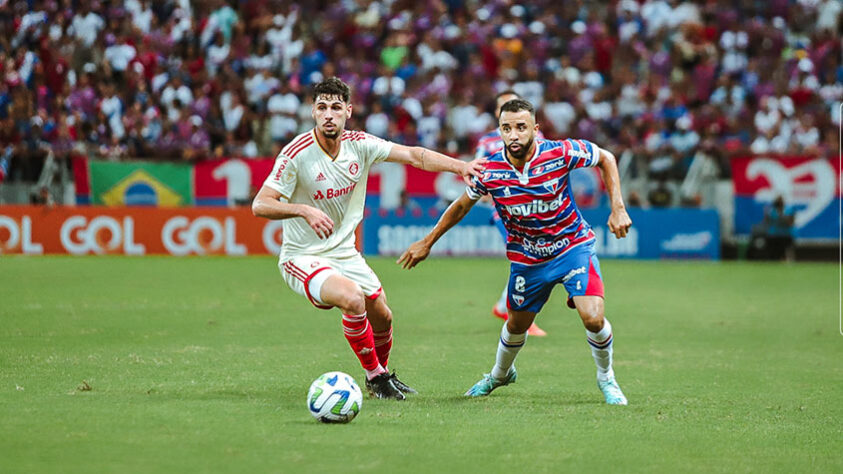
(348, 112)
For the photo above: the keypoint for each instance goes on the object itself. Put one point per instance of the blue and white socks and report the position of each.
(508, 347)
(601, 350)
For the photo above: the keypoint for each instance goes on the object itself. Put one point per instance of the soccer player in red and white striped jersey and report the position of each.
(549, 243)
(318, 186)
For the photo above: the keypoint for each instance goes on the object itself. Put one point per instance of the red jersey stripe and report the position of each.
(296, 142)
(300, 147)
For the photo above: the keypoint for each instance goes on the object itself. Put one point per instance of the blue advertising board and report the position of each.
(656, 233)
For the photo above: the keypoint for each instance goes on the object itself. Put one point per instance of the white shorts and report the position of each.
(306, 274)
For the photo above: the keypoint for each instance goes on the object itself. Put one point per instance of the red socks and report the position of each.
(383, 344)
(361, 339)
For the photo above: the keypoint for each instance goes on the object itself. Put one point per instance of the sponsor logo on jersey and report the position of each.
(537, 206)
(281, 168)
(320, 177)
(353, 169)
(573, 273)
(495, 175)
(553, 165)
(334, 193)
(579, 153)
(545, 249)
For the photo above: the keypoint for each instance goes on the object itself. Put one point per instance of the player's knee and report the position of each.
(352, 300)
(592, 320)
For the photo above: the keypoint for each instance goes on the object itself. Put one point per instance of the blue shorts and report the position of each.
(530, 285)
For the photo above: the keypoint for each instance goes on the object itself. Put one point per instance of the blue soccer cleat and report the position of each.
(489, 383)
(612, 392)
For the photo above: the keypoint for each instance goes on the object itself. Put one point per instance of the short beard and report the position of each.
(333, 134)
(524, 149)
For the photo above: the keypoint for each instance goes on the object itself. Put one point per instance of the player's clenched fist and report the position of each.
(318, 221)
(413, 255)
(619, 223)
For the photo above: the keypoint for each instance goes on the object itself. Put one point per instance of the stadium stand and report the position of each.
(674, 88)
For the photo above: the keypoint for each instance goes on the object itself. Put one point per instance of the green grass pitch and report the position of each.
(111, 364)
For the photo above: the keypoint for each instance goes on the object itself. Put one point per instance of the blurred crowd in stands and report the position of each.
(663, 80)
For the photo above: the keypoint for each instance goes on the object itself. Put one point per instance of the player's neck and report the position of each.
(331, 146)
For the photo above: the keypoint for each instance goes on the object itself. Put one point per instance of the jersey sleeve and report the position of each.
(375, 149)
(477, 189)
(581, 153)
(479, 153)
(283, 176)
(482, 151)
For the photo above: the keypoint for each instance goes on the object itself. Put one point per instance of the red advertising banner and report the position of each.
(136, 231)
(235, 180)
(82, 180)
(808, 185)
(803, 176)
(221, 182)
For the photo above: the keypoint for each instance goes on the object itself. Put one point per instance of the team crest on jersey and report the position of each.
(518, 299)
(507, 192)
(353, 168)
(552, 185)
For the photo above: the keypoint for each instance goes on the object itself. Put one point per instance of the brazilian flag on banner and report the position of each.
(141, 184)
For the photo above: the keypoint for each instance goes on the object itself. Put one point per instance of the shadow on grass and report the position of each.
(199, 394)
(544, 399)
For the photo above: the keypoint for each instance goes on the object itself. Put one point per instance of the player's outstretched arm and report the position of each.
(266, 204)
(619, 221)
(430, 160)
(419, 251)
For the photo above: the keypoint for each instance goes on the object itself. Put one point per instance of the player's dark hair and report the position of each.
(332, 87)
(517, 105)
(507, 92)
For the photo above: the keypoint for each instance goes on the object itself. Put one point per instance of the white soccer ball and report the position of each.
(334, 398)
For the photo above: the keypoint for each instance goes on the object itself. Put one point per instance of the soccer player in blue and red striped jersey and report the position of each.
(549, 243)
(488, 145)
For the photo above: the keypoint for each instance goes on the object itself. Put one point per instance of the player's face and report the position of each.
(502, 100)
(518, 130)
(330, 114)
